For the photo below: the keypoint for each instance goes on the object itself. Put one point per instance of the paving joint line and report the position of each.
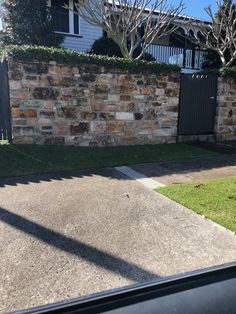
(139, 177)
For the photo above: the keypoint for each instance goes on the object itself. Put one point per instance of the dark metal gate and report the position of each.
(5, 119)
(197, 104)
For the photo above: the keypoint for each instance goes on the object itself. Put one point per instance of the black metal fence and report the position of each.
(197, 104)
(5, 118)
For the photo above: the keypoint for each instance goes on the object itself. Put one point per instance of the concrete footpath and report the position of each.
(63, 236)
(186, 171)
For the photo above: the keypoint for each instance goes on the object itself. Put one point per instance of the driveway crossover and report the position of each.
(63, 236)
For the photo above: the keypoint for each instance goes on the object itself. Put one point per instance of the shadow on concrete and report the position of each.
(60, 176)
(179, 171)
(86, 252)
(159, 169)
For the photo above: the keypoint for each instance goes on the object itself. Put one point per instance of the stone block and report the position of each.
(100, 89)
(46, 104)
(29, 83)
(15, 103)
(146, 90)
(45, 93)
(162, 132)
(156, 104)
(16, 94)
(82, 127)
(106, 115)
(98, 126)
(15, 75)
(124, 116)
(30, 68)
(46, 127)
(44, 121)
(59, 140)
(28, 140)
(171, 92)
(144, 131)
(23, 130)
(115, 126)
(140, 97)
(168, 122)
(14, 65)
(48, 81)
(147, 125)
(100, 106)
(126, 79)
(151, 114)
(89, 68)
(129, 89)
(88, 77)
(61, 128)
(138, 116)
(113, 97)
(150, 80)
(19, 122)
(24, 113)
(60, 70)
(68, 112)
(72, 92)
(125, 97)
(85, 115)
(67, 82)
(129, 107)
(161, 85)
(15, 85)
(49, 114)
(130, 132)
(130, 124)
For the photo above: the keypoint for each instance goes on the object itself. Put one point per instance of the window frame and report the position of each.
(71, 21)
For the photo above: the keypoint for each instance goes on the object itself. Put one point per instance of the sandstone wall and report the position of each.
(88, 105)
(226, 110)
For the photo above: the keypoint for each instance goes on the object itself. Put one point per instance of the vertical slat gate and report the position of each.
(5, 118)
(197, 104)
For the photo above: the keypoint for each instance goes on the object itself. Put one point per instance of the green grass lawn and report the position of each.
(17, 160)
(216, 199)
(231, 143)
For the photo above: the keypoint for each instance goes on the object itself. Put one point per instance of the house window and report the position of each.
(65, 21)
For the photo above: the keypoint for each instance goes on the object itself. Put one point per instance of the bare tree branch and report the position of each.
(129, 23)
(220, 34)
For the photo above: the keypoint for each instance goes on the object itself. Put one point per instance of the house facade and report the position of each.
(79, 34)
(175, 48)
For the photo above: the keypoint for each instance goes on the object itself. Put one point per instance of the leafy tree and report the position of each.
(28, 22)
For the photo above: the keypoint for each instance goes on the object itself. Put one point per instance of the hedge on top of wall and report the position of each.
(228, 72)
(61, 55)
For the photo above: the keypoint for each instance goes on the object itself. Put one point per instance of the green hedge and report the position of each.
(61, 55)
(228, 72)
(224, 72)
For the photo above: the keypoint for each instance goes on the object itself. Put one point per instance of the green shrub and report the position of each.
(60, 55)
(107, 47)
(228, 72)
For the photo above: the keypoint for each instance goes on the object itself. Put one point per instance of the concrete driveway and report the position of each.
(70, 235)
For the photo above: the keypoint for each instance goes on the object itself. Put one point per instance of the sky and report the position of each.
(195, 8)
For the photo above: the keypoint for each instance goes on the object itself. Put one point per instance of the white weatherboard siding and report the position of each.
(88, 34)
